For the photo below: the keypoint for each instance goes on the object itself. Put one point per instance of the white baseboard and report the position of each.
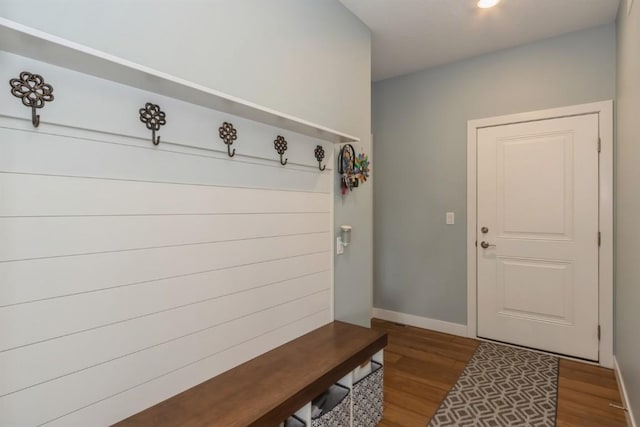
(421, 322)
(623, 393)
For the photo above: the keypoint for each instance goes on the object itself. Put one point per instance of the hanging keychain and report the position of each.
(353, 169)
(345, 160)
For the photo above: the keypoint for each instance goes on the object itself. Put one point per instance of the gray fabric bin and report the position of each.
(336, 408)
(368, 398)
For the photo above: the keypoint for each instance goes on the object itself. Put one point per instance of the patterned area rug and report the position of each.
(502, 386)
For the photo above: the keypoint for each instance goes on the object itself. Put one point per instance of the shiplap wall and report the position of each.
(130, 272)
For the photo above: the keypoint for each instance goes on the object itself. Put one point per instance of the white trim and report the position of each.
(623, 393)
(372, 158)
(605, 111)
(421, 322)
(472, 156)
(606, 228)
(332, 252)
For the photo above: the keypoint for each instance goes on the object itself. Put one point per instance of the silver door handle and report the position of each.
(485, 245)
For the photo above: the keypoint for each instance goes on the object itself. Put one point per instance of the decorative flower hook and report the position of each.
(319, 153)
(153, 117)
(33, 91)
(228, 134)
(280, 144)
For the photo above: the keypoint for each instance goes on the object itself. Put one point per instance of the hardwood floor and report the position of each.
(421, 366)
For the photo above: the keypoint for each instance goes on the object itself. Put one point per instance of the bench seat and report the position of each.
(267, 389)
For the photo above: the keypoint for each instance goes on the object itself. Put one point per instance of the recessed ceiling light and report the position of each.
(485, 4)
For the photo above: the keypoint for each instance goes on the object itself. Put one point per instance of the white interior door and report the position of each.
(537, 249)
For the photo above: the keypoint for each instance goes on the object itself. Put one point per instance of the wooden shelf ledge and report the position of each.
(25, 41)
(266, 390)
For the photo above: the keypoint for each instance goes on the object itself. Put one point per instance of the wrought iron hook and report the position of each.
(33, 92)
(153, 118)
(35, 118)
(228, 134)
(319, 154)
(280, 144)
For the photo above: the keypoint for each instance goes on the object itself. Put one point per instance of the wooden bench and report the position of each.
(266, 390)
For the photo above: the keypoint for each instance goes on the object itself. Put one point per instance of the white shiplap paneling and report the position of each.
(41, 195)
(22, 367)
(130, 272)
(82, 235)
(121, 405)
(59, 276)
(89, 386)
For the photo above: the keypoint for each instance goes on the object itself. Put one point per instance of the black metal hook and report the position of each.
(33, 92)
(285, 160)
(280, 144)
(228, 134)
(35, 118)
(319, 154)
(153, 118)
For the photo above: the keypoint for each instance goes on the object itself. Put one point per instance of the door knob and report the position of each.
(485, 245)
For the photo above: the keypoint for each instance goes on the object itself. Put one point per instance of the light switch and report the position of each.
(451, 218)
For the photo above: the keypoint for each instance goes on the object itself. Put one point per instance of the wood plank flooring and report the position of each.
(421, 366)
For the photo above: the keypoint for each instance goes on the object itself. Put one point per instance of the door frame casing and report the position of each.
(604, 109)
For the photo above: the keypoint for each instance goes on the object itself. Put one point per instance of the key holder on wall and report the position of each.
(228, 134)
(153, 118)
(319, 155)
(33, 91)
(280, 144)
(353, 169)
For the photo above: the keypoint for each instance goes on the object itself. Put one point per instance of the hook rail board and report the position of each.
(22, 40)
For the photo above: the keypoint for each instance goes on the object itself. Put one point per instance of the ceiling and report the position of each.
(411, 35)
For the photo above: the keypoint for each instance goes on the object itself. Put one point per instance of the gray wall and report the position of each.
(627, 245)
(307, 58)
(420, 141)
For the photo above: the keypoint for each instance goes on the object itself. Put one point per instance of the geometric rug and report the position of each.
(502, 386)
